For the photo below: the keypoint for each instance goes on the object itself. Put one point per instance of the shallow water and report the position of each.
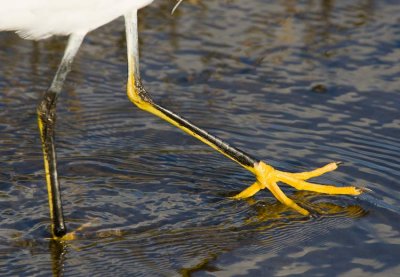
(297, 84)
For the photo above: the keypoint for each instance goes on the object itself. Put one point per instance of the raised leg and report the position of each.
(141, 98)
(267, 176)
(46, 112)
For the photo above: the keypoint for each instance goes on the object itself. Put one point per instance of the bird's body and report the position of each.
(38, 19)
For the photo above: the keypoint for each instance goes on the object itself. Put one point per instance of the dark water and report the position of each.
(296, 83)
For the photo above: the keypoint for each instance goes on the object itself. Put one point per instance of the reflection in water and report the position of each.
(309, 200)
(246, 71)
(269, 222)
(58, 252)
(264, 223)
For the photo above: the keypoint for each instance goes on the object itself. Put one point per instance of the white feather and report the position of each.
(38, 19)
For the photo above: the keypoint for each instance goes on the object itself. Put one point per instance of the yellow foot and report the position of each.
(74, 234)
(267, 177)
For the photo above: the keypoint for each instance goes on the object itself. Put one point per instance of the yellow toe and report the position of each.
(328, 189)
(250, 191)
(280, 195)
(314, 173)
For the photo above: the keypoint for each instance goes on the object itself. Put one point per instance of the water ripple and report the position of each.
(295, 84)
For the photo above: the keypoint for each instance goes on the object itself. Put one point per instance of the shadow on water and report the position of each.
(298, 84)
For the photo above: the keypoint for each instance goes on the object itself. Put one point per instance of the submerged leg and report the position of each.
(266, 176)
(46, 112)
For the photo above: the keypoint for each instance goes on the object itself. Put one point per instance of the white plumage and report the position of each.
(38, 19)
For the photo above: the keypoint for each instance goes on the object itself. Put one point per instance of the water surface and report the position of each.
(295, 83)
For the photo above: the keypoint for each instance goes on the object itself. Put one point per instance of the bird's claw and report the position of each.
(74, 234)
(364, 190)
(268, 177)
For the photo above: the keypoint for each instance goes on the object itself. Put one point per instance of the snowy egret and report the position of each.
(39, 19)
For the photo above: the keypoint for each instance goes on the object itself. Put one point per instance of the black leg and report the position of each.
(46, 112)
(46, 119)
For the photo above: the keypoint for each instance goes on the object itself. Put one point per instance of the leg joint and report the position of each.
(47, 107)
(138, 94)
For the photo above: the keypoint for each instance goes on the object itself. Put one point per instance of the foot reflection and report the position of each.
(58, 253)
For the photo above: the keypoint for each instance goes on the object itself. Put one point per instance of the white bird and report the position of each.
(40, 19)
